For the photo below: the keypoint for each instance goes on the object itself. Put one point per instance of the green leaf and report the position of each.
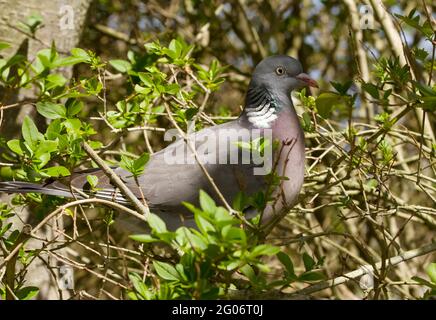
(121, 65)
(186, 237)
(140, 286)
(190, 113)
(232, 265)
(30, 132)
(175, 46)
(174, 49)
(204, 225)
(28, 150)
(240, 201)
(414, 21)
(181, 270)
(420, 54)
(248, 271)
(4, 45)
(44, 57)
(73, 107)
(73, 126)
(156, 223)
(41, 159)
(27, 293)
(166, 271)
(424, 282)
(146, 79)
(145, 238)
(264, 249)
(46, 146)
(287, 262)
(235, 234)
(126, 163)
(223, 217)
(311, 276)
(325, 103)
(95, 144)
(371, 89)
(51, 110)
(153, 47)
(55, 80)
(33, 21)
(172, 88)
(139, 164)
(309, 263)
(341, 88)
(15, 146)
(425, 90)
(142, 90)
(307, 122)
(428, 104)
(80, 53)
(206, 202)
(67, 61)
(58, 171)
(92, 180)
(53, 129)
(431, 271)
(263, 268)
(14, 60)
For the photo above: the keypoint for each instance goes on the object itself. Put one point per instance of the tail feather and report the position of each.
(29, 187)
(56, 189)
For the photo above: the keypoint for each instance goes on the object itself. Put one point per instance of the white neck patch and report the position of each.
(262, 116)
(261, 108)
(264, 121)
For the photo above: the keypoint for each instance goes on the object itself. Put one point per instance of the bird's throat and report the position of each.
(261, 107)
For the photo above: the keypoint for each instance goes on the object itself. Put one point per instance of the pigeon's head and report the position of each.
(281, 72)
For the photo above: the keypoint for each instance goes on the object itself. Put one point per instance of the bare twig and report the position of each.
(367, 269)
(140, 206)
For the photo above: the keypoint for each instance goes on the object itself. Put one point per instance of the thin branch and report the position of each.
(142, 207)
(61, 209)
(396, 44)
(192, 148)
(114, 33)
(367, 269)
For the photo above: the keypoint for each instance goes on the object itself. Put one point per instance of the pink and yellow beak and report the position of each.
(307, 79)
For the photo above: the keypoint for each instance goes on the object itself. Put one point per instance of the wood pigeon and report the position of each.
(172, 175)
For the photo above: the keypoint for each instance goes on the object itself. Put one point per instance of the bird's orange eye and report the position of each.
(280, 71)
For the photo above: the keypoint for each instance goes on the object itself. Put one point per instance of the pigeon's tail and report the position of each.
(60, 190)
(28, 187)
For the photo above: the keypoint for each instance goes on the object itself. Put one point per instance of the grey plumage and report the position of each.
(165, 186)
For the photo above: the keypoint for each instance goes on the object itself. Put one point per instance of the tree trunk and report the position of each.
(63, 22)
